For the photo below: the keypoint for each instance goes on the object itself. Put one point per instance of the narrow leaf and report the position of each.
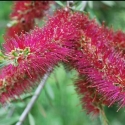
(60, 3)
(31, 119)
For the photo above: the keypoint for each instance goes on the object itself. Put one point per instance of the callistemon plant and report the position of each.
(95, 51)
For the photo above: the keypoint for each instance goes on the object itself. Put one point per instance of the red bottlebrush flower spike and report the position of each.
(29, 56)
(27, 63)
(24, 14)
(106, 59)
(102, 63)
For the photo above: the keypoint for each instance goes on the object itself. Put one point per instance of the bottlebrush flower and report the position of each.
(94, 57)
(30, 55)
(27, 62)
(104, 66)
(24, 14)
(101, 63)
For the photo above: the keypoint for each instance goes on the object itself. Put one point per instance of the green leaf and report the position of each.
(31, 119)
(19, 104)
(27, 95)
(12, 23)
(60, 3)
(3, 112)
(49, 91)
(79, 7)
(90, 4)
(109, 3)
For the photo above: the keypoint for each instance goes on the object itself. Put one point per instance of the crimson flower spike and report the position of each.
(24, 15)
(102, 64)
(29, 56)
(106, 69)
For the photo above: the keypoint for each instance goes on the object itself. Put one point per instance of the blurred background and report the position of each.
(58, 103)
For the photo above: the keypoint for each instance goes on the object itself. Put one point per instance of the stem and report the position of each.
(34, 98)
(103, 118)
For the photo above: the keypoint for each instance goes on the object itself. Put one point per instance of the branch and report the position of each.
(34, 98)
